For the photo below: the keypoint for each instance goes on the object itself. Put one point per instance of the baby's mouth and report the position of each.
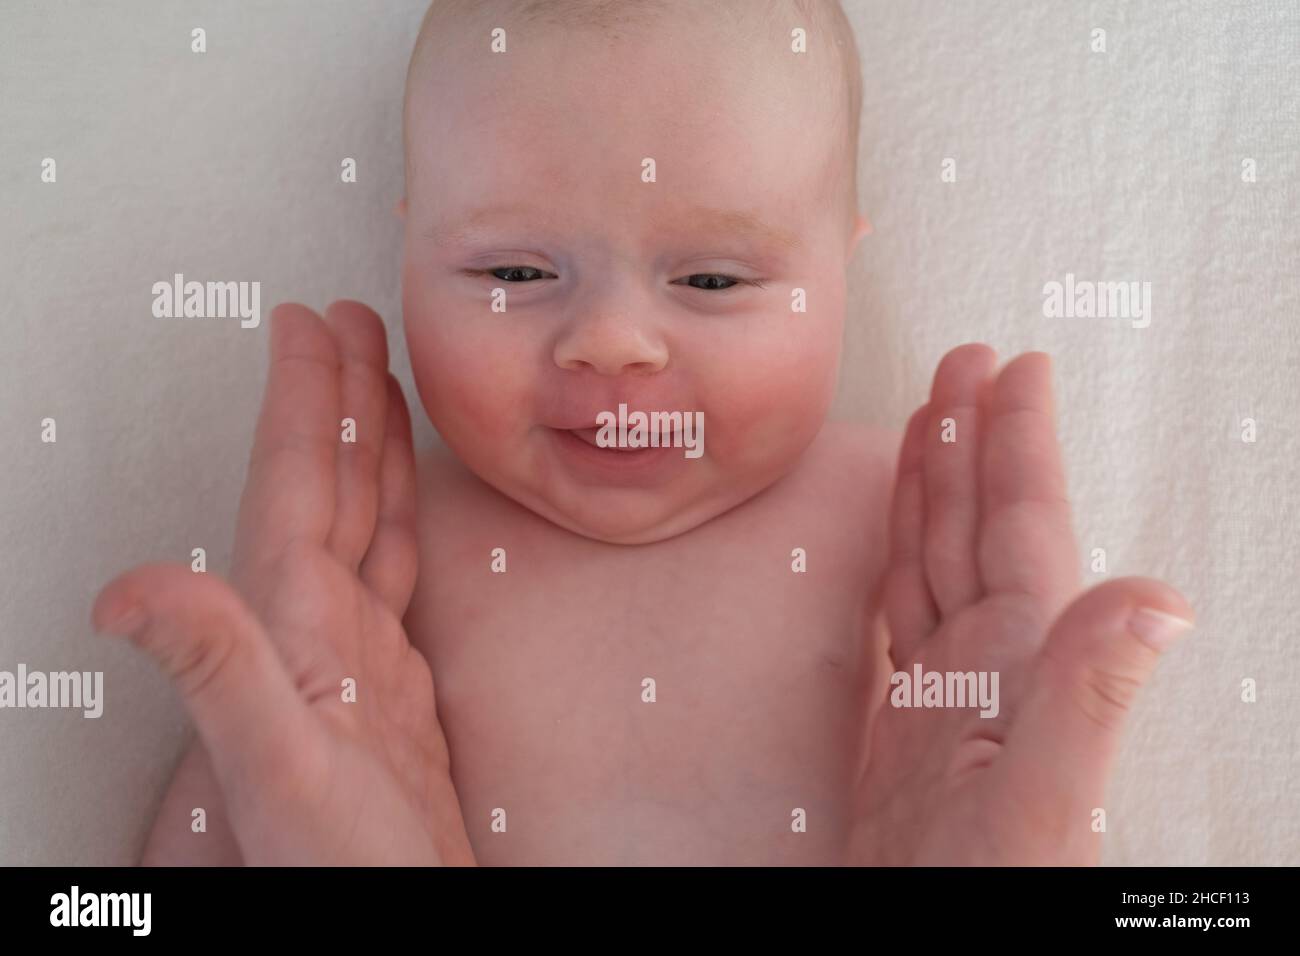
(667, 439)
(627, 464)
(586, 434)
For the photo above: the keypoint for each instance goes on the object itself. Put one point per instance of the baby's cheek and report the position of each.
(473, 390)
(771, 401)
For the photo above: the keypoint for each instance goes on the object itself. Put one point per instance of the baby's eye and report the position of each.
(709, 281)
(516, 273)
(713, 280)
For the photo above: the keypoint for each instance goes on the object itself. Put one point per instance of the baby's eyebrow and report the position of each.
(708, 220)
(730, 222)
(471, 225)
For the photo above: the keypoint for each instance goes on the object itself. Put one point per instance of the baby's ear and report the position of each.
(400, 208)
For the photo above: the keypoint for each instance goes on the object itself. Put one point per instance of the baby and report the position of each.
(561, 643)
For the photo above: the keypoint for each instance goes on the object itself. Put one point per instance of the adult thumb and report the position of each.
(221, 661)
(1098, 654)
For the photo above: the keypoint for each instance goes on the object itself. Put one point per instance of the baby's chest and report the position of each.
(674, 706)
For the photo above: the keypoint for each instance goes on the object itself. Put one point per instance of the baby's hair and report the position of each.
(827, 25)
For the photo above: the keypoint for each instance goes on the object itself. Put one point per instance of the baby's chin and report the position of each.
(633, 517)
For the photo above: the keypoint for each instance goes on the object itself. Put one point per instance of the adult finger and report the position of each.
(363, 350)
(908, 605)
(951, 476)
(1026, 538)
(289, 492)
(389, 567)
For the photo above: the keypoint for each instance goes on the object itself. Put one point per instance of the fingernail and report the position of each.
(1156, 629)
(126, 622)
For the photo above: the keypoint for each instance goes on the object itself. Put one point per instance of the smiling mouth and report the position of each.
(668, 439)
(594, 465)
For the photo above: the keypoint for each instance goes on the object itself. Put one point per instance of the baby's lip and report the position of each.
(585, 415)
(574, 424)
(589, 436)
(586, 434)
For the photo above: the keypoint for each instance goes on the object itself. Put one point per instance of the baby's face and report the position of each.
(678, 294)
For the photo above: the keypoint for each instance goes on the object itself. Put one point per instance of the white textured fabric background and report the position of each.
(1123, 165)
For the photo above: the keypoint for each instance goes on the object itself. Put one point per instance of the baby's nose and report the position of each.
(610, 344)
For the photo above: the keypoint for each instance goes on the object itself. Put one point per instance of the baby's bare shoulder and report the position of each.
(856, 459)
(449, 495)
(438, 473)
(438, 468)
(839, 503)
(866, 439)
(450, 506)
(856, 472)
(841, 492)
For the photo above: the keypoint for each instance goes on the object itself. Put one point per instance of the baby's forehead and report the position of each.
(779, 57)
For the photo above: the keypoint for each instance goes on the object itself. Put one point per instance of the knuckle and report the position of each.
(1104, 695)
(197, 661)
